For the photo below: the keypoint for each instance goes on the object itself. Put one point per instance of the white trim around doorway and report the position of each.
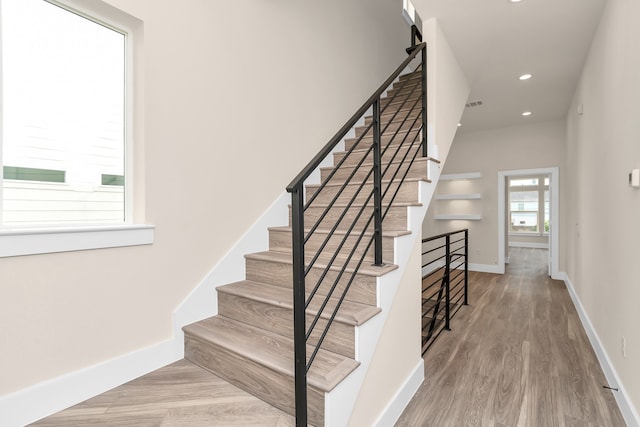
(554, 232)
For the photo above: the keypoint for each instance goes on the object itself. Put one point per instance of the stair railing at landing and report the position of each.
(359, 213)
(445, 282)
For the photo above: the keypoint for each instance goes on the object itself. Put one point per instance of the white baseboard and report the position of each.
(51, 396)
(48, 397)
(484, 268)
(529, 245)
(629, 412)
(401, 399)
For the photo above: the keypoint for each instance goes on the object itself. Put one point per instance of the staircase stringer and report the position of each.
(340, 402)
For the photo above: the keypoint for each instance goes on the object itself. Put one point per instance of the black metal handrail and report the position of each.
(445, 282)
(345, 230)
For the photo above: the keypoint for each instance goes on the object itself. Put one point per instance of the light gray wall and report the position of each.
(603, 211)
(529, 146)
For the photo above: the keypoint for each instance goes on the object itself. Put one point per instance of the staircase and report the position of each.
(250, 341)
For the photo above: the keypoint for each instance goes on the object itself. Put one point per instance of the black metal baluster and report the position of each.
(466, 267)
(447, 272)
(299, 321)
(377, 183)
(424, 102)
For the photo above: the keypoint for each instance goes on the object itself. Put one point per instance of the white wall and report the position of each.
(448, 89)
(603, 211)
(529, 146)
(237, 97)
(398, 350)
(392, 375)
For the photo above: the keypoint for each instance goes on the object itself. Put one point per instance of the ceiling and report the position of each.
(496, 41)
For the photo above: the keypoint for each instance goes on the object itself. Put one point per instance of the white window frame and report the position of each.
(31, 241)
(540, 189)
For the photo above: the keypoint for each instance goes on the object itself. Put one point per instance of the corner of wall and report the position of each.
(447, 90)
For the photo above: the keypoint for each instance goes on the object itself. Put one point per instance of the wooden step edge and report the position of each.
(343, 205)
(386, 128)
(399, 99)
(404, 89)
(285, 258)
(392, 147)
(336, 184)
(386, 133)
(410, 74)
(323, 231)
(419, 159)
(351, 313)
(271, 350)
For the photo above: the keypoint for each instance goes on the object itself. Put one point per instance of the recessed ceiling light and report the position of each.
(459, 124)
(525, 77)
(515, 1)
(526, 113)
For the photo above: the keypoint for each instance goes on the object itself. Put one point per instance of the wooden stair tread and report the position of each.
(350, 313)
(368, 137)
(390, 148)
(394, 162)
(384, 181)
(285, 258)
(271, 350)
(385, 233)
(359, 205)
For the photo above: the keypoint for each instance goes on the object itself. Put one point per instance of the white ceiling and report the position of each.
(496, 41)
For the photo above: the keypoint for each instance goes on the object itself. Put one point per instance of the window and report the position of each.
(66, 117)
(529, 205)
(63, 116)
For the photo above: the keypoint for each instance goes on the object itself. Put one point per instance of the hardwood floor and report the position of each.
(181, 394)
(516, 356)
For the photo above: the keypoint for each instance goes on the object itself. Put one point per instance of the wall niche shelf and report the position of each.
(469, 217)
(456, 176)
(474, 196)
(459, 196)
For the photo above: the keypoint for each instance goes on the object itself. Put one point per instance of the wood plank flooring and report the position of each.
(516, 356)
(179, 395)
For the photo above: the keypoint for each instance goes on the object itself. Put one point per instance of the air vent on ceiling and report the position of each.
(473, 104)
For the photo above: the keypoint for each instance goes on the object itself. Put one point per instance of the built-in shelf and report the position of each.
(459, 196)
(454, 176)
(463, 196)
(472, 217)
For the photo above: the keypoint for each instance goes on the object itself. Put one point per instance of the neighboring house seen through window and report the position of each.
(63, 139)
(529, 205)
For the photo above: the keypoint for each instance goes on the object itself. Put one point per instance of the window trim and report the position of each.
(541, 188)
(20, 242)
(133, 232)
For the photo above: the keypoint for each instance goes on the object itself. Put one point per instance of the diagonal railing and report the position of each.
(445, 282)
(361, 189)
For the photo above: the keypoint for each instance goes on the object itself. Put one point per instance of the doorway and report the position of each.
(553, 223)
